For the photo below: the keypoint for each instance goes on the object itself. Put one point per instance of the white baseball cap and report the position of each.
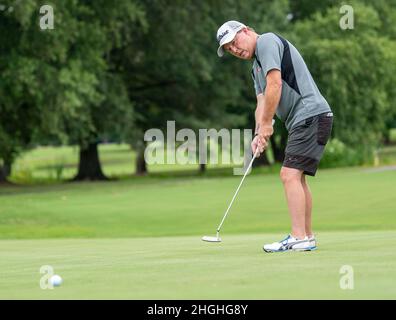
(227, 33)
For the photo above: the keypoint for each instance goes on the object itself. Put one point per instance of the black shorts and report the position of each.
(306, 143)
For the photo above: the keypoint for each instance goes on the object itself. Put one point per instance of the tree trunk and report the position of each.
(141, 166)
(89, 167)
(5, 171)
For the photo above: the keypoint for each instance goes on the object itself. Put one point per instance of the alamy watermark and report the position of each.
(186, 147)
(47, 18)
(347, 278)
(45, 282)
(347, 20)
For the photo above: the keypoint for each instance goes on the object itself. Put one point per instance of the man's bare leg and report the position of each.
(296, 200)
(308, 207)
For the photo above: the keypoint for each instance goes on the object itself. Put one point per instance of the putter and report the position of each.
(217, 237)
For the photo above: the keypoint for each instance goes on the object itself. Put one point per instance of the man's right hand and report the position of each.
(257, 144)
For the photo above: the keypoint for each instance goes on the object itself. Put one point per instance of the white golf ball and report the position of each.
(56, 280)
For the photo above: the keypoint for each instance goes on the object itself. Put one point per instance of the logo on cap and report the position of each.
(221, 36)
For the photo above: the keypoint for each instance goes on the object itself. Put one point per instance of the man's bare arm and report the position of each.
(258, 116)
(271, 98)
(259, 112)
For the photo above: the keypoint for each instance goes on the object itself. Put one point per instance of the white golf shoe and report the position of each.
(290, 244)
(312, 241)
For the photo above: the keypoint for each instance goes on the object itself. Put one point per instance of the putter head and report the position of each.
(211, 239)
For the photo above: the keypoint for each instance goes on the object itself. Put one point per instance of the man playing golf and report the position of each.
(285, 87)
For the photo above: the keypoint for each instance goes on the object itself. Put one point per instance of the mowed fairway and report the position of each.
(140, 239)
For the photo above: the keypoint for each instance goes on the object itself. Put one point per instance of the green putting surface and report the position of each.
(187, 268)
(141, 239)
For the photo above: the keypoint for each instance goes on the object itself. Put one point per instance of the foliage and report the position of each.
(111, 70)
(354, 69)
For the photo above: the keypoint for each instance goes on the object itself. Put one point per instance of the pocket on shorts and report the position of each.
(325, 125)
(301, 127)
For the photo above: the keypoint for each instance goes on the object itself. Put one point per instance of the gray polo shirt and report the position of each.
(300, 97)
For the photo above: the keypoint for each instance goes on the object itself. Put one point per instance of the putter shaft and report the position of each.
(236, 192)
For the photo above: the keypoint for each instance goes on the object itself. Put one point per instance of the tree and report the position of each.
(355, 70)
(305, 9)
(170, 69)
(92, 83)
(60, 84)
(174, 71)
(25, 82)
